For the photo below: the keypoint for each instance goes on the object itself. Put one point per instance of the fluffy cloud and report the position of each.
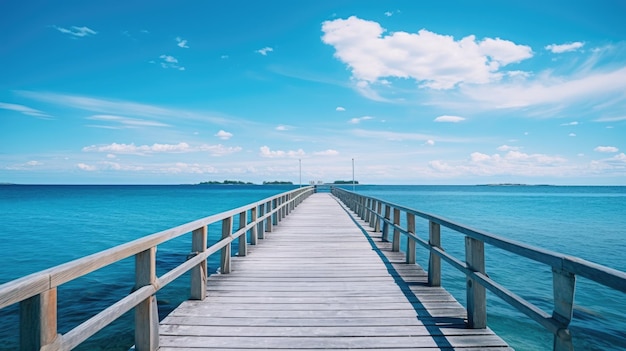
(224, 135)
(359, 119)
(76, 31)
(340, 109)
(606, 149)
(570, 124)
(115, 148)
(168, 61)
(449, 119)
(329, 152)
(23, 110)
(507, 148)
(561, 48)
(282, 128)
(267, 153)
(182, 43)
(437, 61)
(86, 167)
(265, 50)
(430, 142)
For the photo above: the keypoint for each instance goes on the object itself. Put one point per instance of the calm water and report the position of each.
(42, 226)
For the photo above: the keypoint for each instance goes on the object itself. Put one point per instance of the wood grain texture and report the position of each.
(320, 282)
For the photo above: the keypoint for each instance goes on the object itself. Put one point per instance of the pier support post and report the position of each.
(395, 245)
(254, 236)
(410, 243)
(227, 230)
(146, 312)
(243, 238)
(385, 234)
(199, 272)
(564, 287)
(434, 261)
(476, 293)
(38, 321)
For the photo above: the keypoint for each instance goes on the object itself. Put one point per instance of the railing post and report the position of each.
(379, 211)
(227, 231)
(385, 234)
(274, 212)
(254, 236)
(434, 261)
(199, 272)
(262, 224)
(146, 312)
(564, 287)
(395, 245)
(369, 217)
(269, 221)
(38, 321)
(410, 243)
(243, 238)
(476, 293)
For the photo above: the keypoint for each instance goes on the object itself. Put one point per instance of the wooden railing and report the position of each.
(37, 293)
(379, 213)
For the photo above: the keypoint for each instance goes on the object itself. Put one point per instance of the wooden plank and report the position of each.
(318, 283)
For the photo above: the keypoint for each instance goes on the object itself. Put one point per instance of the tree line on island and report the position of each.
(274, 182)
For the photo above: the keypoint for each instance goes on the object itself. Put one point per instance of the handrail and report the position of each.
(564, 268)
(37, 292)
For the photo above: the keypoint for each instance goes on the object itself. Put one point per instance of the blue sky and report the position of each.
(416, 92)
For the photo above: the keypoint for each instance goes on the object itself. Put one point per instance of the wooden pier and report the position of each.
(320, 281)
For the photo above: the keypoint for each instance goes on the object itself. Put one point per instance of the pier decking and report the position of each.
(318, 281)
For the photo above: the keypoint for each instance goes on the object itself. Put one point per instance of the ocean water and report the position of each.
(42, 226)
(587, 222)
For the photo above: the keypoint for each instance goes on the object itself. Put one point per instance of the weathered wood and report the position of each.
(396, 232)
(243, 240)
(564, 285)
(410, 243)
(199, 272)
(476, 293)
(254, 231)
(434, 261)
(227, 230)
(146, 314)
(387, 218)
(321, 286)
(38, 321)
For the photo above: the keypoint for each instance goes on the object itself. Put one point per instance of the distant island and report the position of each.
(513, 184)
(239, 182)
(345, 182)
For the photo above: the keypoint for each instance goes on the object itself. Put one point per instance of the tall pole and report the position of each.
(300, 166)
(353, 174)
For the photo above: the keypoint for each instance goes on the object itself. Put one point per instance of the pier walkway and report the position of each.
(321, 280)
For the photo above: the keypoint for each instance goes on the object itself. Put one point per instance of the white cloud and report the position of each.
(34, 163)
(547, 89)
(24, 110)
(86, 167)
(168, 61)
(124, 122)
(449, 119)
(395, 136)
(436, 61)
(115, 148)
(282, 128)
(611, 119)
(360, 119)
(388, 13)
(224, 135)
(266, 152)
(570, 124)
(182, 43)
(265, 50)
(561, 48)
(329, 152)
(572, 134)
(606, 149)
(76, 31)
(430, 142)
(507, 148)
(340, 109)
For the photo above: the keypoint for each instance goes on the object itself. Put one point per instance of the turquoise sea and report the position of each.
(42, 226)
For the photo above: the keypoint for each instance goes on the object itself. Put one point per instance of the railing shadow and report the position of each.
(433, 324)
